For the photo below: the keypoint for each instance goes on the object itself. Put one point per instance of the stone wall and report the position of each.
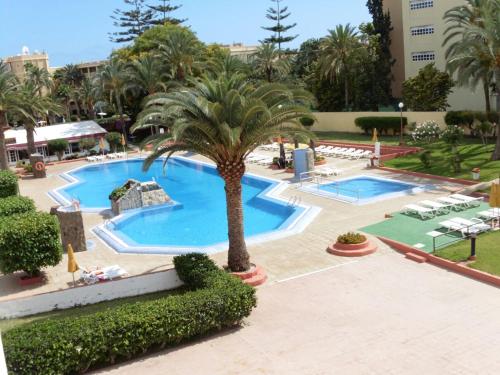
(139, 195)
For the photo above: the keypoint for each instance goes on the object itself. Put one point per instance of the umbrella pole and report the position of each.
(74, 282)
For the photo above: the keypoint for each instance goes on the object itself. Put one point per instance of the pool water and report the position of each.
(199, 216)
(366, 187)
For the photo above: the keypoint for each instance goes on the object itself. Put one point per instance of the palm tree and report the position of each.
(87, 94)
(38, 77)
(268, 63)
(10, 102)
(228, 65)
(146, 75)
(180, 50)
(473, 39)
(337, 50)
(112, 80)
(225, 119)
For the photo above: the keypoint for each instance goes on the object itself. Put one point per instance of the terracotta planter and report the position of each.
(26, 280)
(290, 170)
(321, 162)
(255, 276)
(352, 250)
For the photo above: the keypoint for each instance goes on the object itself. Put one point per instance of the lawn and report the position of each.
(473, 154)
(487, 253)
(390, 140)
(7, 324)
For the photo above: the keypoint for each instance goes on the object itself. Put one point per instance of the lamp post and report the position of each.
(401, 139)
(472, 237)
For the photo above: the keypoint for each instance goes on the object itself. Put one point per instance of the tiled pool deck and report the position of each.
(412, 230)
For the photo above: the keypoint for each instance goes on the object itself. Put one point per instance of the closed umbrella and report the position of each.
(72, 265)
(495, 195)
(123, 142)
(375, 135)
(101, 144)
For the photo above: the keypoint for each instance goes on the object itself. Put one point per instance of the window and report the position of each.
(421, 4)
(12, 154)
(423, 56)
(422, 30)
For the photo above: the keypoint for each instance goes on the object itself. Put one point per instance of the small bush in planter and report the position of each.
(29, 242)
(319, 158)
(16, 205)
(351, 238)
(426, 158)
(8, 184)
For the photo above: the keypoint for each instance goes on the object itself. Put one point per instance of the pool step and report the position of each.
(254, 277)
(415, 257)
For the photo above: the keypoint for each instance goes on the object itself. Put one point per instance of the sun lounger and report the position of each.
(459, 226)
(439, 208)
(492, 213)
(423, 212)
(475, 223)
(455, 203)
(91, 159)
(326, 171)
(470, 201)
(96, 275)
(346, 153)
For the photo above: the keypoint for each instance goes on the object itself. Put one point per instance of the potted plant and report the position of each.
(319, 160)
(352, 245)
(476, 174)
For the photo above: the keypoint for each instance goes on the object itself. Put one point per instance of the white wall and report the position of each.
(84, 295)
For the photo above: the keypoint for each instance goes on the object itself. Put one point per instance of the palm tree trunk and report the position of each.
(486, 88)
(120, 111)
(346, 93)
(238, 257)
(30, 138)
(4, 165)
(496, 153)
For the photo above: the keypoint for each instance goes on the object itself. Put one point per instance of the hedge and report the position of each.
(29, 242)
(381, 123)
(16, 205)
(8, 184)
(467, 118)
(76, 344)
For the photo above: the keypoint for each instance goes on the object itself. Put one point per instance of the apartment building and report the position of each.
(417, 40)
(17, 63)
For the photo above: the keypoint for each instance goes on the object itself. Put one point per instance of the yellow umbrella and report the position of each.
(375, 135)
(101, 143)
(123, 141)
(72, 265)
(495, 195)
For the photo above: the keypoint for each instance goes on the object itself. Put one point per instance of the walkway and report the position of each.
(379, 315)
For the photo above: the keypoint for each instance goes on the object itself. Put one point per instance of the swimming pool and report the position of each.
(196, 222)
(364, 189)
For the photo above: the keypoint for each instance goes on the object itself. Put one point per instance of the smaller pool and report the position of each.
(364, 189)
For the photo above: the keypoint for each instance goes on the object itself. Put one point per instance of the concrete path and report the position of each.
(377, 315)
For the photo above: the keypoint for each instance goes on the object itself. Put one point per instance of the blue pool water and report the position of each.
(199, 218)
(364, 188)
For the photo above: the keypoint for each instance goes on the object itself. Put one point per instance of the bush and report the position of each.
(426, 158)
(114, 139)
(453, 136)
(460, 118)
(383, 124)
(28, 168)
(58, 146)
(428, 131)
(351, 238)
(71, 157)
(307, 121)
(192, 269)
(29, 242)
(8, 184)
(16, 205)
(73, 345)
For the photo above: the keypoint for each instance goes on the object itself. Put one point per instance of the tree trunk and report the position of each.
(238, 257)
(120, 111)
(312, 146)
(486, 87)
(496, 153)
(4, 164)
(91, 112)
(30, 138)
(346, 93)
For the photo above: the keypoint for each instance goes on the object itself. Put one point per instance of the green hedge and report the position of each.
(467, 118)
(383, 124)
(73, 345)
(29, 242)
(8, 184)
(16, 205)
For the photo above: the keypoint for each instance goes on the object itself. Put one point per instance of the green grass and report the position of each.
(473, 154)
(390, 140)
(7, 324)
(488, 256)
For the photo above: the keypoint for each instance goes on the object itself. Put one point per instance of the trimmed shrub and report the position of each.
(8, 184)
(381, 123)
(73, 345)
(16, 205)
(58, 146)
(428, 132)
(192, 269)
(351, 238)
(426, 158)
(460, 118)
(29, 242)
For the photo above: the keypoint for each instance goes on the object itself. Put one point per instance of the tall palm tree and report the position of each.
(228, 65)
(112, 81)
(180, 51)
(10, 102)
(225, 119)
(337, 50)
(473, 39)
(38, 77)
(87, 94)
(146, 75)
(268, 62)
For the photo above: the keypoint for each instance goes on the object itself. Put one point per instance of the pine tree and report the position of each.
(278, 14)
(162, 11)
(133, 22)
(382, 27)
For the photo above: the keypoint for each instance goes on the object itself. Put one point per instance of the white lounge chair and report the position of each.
(462, 227)
(439, 208)
(470, 201)
(492, 213)
(455, 203)
(326, 171)
(95, 274)
(91, 159)
(346, 153)
(475, 223)
(423, 212)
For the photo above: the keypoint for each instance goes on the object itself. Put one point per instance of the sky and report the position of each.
(74, 31)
